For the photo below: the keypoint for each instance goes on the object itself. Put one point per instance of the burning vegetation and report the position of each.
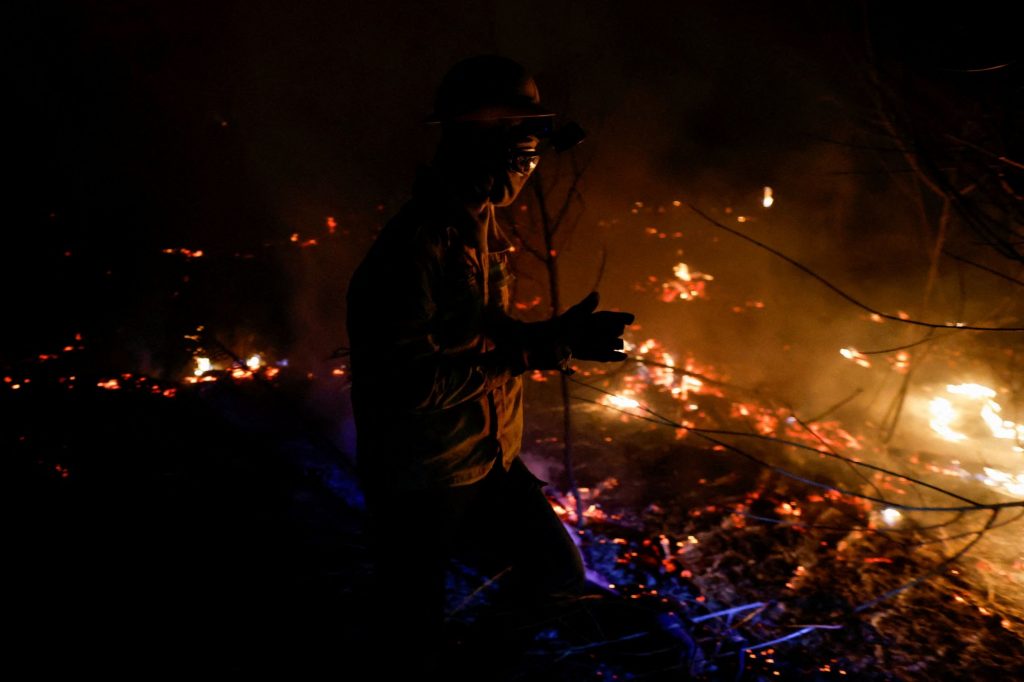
(787, 544)
(810, 467)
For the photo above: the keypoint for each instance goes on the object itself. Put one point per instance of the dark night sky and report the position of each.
(199, 120)
(224, 125)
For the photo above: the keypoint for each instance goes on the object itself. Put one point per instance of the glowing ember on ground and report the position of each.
(853, 354)
(1005, 482)
(187, 253)
(203, 365)
(971, 390)
(900, 362)
(891, 516)
(688, 285)
(1001, 428)
(620, 401)
(565, 505)
(943, 414)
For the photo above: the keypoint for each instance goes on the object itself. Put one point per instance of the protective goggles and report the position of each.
(523, 161)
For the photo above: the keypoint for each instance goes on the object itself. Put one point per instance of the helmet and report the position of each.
(487, 88)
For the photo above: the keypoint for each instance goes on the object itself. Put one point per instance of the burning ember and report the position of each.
(187, 253)
(203, 365)
(853, 354)
(1010, 484)
(979, 400)
(943, 415)
(620, 402)
(207, 370)
(688, 284)
(891, 516)
(900, 362)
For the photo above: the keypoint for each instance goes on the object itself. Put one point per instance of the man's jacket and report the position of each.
(436, 390)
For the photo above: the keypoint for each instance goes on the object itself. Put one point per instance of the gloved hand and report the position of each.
(579, 333)
(594, 335)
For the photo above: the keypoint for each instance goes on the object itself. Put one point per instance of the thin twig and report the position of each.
(472, 595)
(727, 612)
(845, 296)
(934, 570)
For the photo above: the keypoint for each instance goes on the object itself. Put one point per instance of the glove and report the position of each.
(578, 333)
(594, 335)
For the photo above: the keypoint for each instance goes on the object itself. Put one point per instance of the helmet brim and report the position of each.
(492, 113)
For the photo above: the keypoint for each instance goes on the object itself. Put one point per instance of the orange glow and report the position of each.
(203, 365)
(332, 224)
(687, 285)
(891, 516)
(942, 415)
(971, 390)
(900, 362)
(620, 401)
(968, 395)
(853, 354)
(520, 305)
(187, 253)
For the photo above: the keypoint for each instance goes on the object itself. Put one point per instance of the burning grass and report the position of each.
(778, 572)
(790, 545)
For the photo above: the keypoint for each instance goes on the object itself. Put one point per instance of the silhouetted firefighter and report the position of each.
(437, 365)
